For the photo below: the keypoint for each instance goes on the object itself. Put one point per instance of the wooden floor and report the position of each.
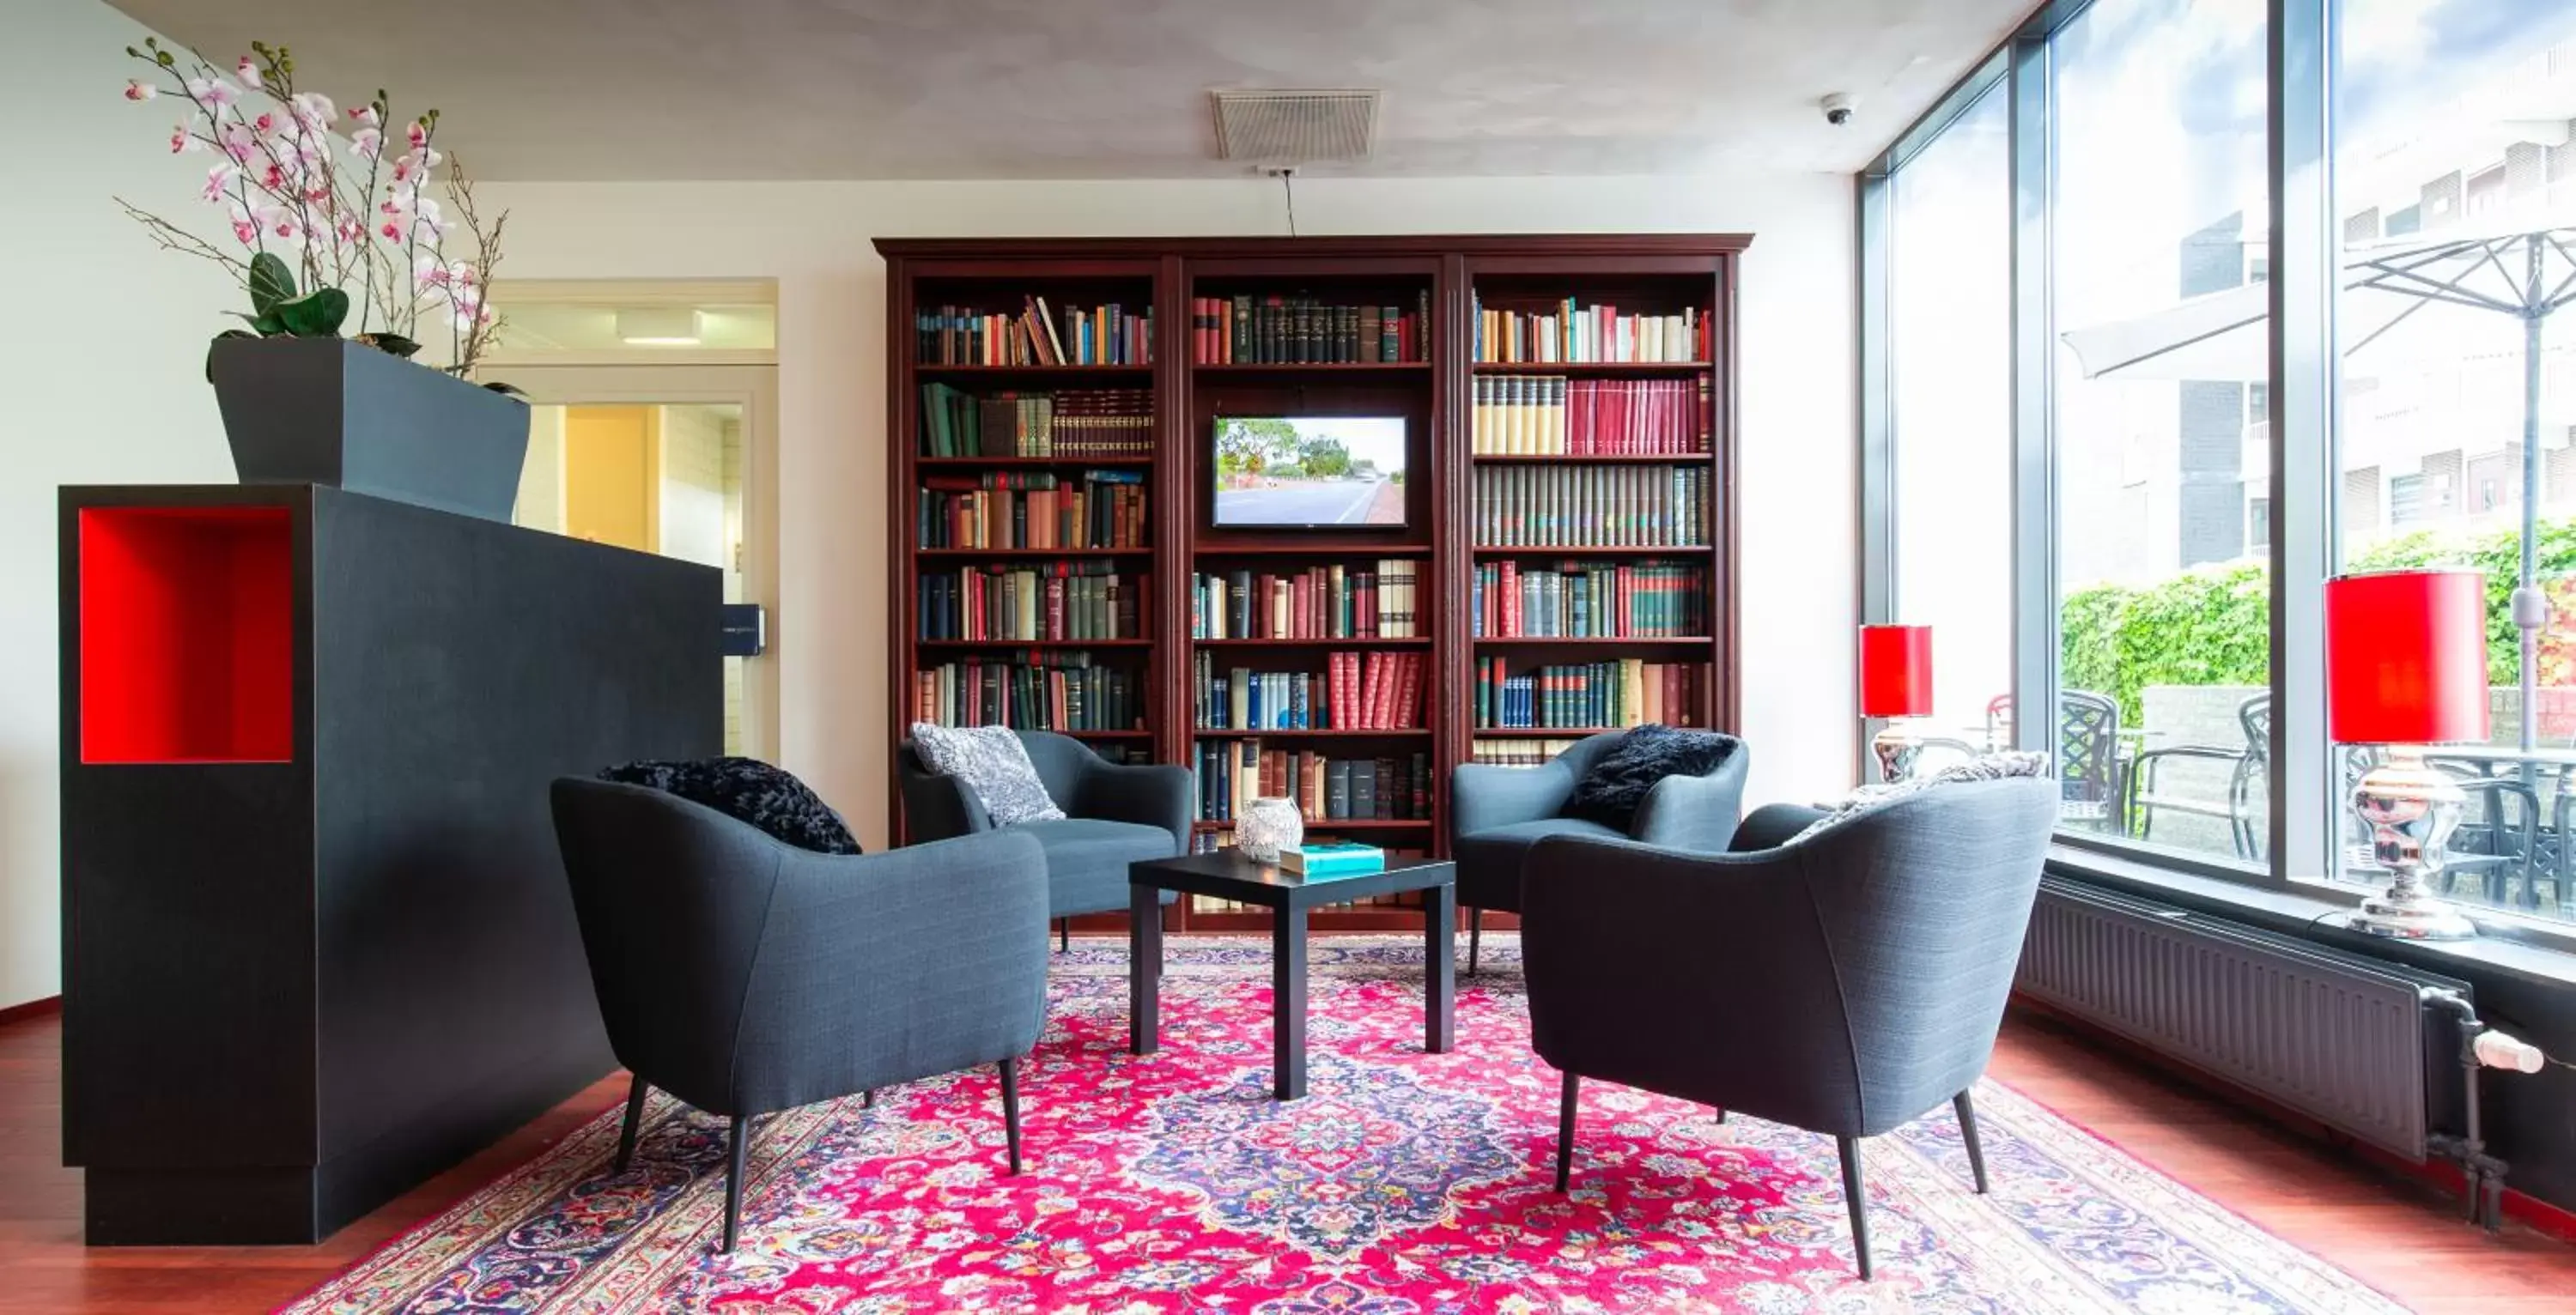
(2397, 1235)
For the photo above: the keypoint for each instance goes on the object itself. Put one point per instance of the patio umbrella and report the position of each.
(2401, 290)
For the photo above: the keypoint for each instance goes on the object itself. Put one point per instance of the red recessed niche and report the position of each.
(187, 648)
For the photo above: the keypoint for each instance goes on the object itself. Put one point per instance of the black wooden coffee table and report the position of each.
(1230, 876)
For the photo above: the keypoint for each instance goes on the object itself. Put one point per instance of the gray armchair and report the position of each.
(1496, 814)
(1115, 814)
(746, 976)
(1846, 983)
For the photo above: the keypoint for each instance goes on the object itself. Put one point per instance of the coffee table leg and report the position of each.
(1288, 993)
(1439, 973)
(1144, 970)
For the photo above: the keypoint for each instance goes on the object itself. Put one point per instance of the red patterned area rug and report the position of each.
(1404, 1184)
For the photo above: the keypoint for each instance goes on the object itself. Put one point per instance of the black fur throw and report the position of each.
(748, 790)
(1615, 788)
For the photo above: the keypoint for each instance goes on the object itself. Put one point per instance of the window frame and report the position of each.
(2301, 418)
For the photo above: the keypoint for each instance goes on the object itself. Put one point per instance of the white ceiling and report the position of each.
(845, 89)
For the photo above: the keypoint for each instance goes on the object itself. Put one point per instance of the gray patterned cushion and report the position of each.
(993, 761)
(1984, 767)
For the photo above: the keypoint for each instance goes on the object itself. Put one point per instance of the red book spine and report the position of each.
(1410, 705)
(1512, 599)
(1372, 683)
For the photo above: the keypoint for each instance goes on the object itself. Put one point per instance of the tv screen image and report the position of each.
(1310, 471)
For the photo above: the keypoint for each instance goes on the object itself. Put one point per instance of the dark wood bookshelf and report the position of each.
(1593, 458)
(1540, 732)
(1649, 274)
(1556, 641)
(1423, 641)
(1594, 369)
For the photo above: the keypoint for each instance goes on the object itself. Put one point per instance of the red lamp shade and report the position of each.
(2406, 657)
(1895, 671)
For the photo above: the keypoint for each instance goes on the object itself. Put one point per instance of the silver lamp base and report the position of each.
(2411, 810)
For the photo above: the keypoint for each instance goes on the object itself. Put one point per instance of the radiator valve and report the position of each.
(2502, 1050)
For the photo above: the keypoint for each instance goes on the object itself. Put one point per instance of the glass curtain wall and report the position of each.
(2088, 249)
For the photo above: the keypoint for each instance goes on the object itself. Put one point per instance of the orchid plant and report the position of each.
(326, 225)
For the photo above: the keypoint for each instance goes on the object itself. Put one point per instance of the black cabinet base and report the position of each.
(216, 1207)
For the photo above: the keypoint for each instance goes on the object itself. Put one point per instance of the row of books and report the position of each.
(1517, 752)
(1569, 331)
(1589, 600)
(1300, 330)
(1051, 691)
(1592, 506)
(1355, 692)
(1589, 695)
(1069, 422)
(1322, 602)
(1034, 335)
(1551, 415)
(1233, 773)
(1056, 603)
(1033, 509)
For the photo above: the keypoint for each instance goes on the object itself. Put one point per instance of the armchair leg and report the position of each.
(1968, 1134)
(1011, 1110)
(734, 1174)
(1856, 1199)
(1475, 937)
(868, 1099)
(636, 1091)
(1064, 935)
(1565, 1133)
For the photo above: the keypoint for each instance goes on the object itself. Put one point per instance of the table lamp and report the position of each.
(1895, 681)
(2406, 666)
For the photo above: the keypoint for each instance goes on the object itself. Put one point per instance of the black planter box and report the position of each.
(331, 411)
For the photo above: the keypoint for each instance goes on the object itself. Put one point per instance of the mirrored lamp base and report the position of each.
(2410, 810)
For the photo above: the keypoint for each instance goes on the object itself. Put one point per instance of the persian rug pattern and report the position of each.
(1405, 1184)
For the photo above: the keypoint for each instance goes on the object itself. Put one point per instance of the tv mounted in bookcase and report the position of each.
(1309, 472)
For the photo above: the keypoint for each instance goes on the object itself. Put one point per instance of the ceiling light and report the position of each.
(659, 326)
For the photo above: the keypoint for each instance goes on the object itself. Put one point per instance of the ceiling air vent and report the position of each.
(1296, 126)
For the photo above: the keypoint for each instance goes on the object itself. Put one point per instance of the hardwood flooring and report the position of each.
(2396, 1234)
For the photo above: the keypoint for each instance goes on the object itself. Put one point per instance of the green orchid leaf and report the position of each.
(270, 282)
(316, 314)
(391, 344)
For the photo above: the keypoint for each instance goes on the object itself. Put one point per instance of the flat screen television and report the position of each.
(1310, 472)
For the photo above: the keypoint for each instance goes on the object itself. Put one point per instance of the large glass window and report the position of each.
(2159, 220)
(2455, 182)
(1950, 350)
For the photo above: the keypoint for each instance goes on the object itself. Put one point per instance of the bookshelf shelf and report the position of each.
(1035, 643)
(1607, 641)
(1023, 554)
(1179, 303)
(1539, 732)
(1211, 733)
(1595, 369)
(1252, 368)
(1345, 642)
(1024, 463)
(1569, 551)
(1593, 458)
(1123, 373)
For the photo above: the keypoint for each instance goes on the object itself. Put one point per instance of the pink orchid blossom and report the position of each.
(219, 180)
(214, 91)
(312, 109)
(183, 141)
(276, 219)
(238, 142)
(245, 228)
(367, 143)
(366, 116)
(248, 68)
(140, 90)
(418, 133)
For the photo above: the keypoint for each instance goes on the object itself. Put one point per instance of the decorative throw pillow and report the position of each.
(993, 761)
(1983, 767)
(1616, 787)
(750, 791)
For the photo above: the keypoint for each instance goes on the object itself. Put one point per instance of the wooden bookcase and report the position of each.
(1448, 280)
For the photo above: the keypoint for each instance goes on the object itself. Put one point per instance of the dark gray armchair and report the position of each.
(1846, 983)
(1116, 814)
(1496, 814)
(746, 976)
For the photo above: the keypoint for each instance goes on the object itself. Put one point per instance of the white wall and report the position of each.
(103, 366)
(830, 633)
